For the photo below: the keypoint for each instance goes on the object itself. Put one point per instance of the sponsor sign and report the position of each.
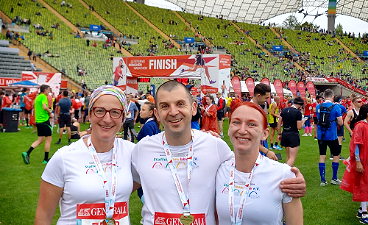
(347, 85)
(301, 89)
(5, 81)
(278, 48)
(94, 27)
(174, 219)
(249, 82)
(311, 89)
(212, 69)
(292, 87)
(236, 85)
(188, 40)
(51, 79)
(279, 90)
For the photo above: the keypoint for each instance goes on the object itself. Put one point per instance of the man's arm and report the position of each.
(294, 187)
(44, 106)
(348, 118)
(339, 121)
(273, 110)
(268, 153)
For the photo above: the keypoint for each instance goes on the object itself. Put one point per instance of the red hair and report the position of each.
(254, 106)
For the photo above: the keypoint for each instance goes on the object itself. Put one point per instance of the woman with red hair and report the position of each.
(248, 185)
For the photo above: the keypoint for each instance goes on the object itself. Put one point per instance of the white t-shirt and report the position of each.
(72, 168)
(151, 170)
(264, 202)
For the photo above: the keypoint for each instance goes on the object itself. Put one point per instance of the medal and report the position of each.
(109, 221)
(186, 220)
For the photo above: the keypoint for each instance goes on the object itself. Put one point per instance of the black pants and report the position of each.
(129, 124)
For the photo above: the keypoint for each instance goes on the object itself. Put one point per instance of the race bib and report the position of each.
(94, 214)
(174, 219)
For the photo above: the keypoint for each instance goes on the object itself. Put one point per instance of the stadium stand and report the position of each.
(71, 51)
(132, 26)
(248, 60)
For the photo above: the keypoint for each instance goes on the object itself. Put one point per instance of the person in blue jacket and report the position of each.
(151, 126)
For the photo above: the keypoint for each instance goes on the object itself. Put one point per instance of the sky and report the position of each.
(348, 23)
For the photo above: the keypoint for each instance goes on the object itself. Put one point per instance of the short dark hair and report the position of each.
(337, 98)
(363, 112)
(44, 87)
(261, 89)
(172, 85)
(298, 100)
(328, 93)
(318, 97)
(65, 93)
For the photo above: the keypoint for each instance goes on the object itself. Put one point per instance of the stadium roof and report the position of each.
(256, 11)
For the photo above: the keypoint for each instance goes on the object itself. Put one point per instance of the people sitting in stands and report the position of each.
(38, 14)
(62, 4)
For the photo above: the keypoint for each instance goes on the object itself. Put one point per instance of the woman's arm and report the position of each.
(293, 212)
(136, 185)
(47, 203)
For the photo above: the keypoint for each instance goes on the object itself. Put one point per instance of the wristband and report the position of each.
(267, 152)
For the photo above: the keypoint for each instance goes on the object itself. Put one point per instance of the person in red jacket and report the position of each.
(209, 115)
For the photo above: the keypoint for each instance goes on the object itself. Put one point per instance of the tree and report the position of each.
(291, 22)
(339, 30)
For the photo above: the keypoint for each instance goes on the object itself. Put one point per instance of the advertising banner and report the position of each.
(292, 87)
(266, 81)
(301, 89)
(236, 85)
(212, 69)
(279, 89)
(5, 81)
(51, 79)
(94, 27)
(278, 48)
(311, 89)
(249, 82)
(188, 40)
(346, 84)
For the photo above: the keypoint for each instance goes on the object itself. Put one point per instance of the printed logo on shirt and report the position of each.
(252, 192)
(181, 163)
(91, 169)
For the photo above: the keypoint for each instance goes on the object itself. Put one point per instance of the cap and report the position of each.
(299, 101)
(218, 93)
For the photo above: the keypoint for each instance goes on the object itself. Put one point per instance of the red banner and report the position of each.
(250, 85)
(346, 84)
(236, 85)
(311, 89)
(279, 89)
(301, 89)
(292, 87)
(194, 91)
(266, 81)
(5, 81)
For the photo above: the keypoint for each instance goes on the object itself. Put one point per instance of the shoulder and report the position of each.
(124, 144)
(283, 169)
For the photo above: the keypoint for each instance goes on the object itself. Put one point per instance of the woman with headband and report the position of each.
(247, 186)
(91, 177)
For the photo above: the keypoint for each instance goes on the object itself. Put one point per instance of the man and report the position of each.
(181, 153)
(352, 114)
(291, 118)
(319, 100)
(228, 103)
(220, 112)
(63, 113)
(327, 136)
(131, 117)
(273, 119)
(42, 113)
(261, 95)
(340, 129)
(2, 94)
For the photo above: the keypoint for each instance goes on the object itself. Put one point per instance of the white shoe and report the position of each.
(309, 134)
(304, 135)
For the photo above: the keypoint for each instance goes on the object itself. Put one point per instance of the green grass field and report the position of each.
(19, 183)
